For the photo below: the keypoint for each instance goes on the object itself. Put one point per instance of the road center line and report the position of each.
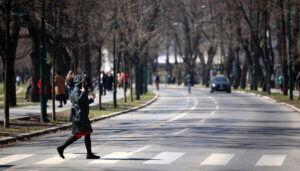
(211, 114)
(142, 149)
(203, 120)
(182, 131)
(182, 115)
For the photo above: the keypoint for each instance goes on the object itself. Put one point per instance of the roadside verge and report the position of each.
(271, 99)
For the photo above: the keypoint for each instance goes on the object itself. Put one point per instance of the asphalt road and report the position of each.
(180, 131)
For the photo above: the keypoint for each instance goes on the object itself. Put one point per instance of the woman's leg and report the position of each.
(87, 141)
(60, 149)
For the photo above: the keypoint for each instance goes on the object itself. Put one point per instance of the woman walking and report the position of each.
(81, 125)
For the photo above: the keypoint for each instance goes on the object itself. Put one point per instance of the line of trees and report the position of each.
(77, 32)
(248, 37)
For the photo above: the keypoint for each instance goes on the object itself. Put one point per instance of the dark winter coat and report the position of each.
(80, 104)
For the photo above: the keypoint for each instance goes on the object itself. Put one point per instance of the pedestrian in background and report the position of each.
(60, 89)
(28, 89)
(280, 82)
(47, 87)
(157, 81)
(18, 80)
(110, 81)
(104, 84)
(81, 125)
(70, 83)
(188, 80)
(89, 81)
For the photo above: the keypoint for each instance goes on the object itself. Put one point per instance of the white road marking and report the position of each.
(164, 158)
(217, 107)
(203, 120)
(177, 117)
(57, 159)
(182, 115)
(271, 160)
(142, 149)
(182, 131)
(212, 113)
(218, 159)
(113, 158)
(12, 158)
(215, 102)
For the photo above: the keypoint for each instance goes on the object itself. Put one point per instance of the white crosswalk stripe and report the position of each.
(57, 160)
(164, 158)
(271, 160)
(13, 158)
(112, 158)
(218, 159)
(117, 156)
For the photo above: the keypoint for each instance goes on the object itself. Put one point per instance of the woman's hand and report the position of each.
(93, 96)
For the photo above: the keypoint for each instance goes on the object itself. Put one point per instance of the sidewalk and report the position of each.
(34, 110)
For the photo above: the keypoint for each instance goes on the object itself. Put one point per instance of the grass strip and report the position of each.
(276, 96)
(21, 101)
(32, 124)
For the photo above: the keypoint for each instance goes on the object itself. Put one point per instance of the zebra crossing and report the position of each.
(161, 158)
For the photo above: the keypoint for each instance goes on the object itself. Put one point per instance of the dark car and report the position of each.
(220, 83)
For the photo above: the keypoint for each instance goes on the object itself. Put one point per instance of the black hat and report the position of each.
(78, 79)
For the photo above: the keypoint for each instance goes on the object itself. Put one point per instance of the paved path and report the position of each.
(33, 110)
(180, 131)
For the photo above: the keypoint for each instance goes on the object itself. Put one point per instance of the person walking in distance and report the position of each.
(81, 125)
(157, 80)
(60, 89)
(188, 80)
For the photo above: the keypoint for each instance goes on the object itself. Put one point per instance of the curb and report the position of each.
(273, 100)
(67, 126)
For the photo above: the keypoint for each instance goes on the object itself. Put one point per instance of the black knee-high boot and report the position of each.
(90, 155)
(60, 149)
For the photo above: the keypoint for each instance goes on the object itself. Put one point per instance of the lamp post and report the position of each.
(290, 70)
(254, 69)
(267, 60)
(114, 25)
(137, 72)
(43, 63)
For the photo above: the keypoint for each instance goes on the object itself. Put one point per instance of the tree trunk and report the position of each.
(245, 68)
(282, 47)
(34, 92)
(228, 64)
(211, 53)
(238, 70)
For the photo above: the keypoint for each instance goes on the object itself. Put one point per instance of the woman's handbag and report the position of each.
(75, 115)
